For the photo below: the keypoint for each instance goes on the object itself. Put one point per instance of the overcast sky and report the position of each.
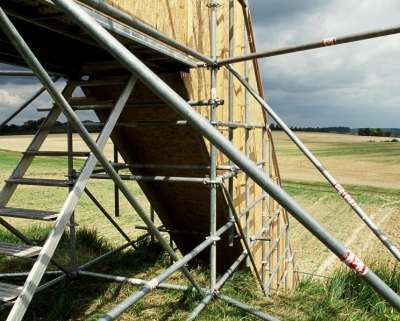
(354, 85)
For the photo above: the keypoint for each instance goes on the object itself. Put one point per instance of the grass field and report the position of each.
(369, 170)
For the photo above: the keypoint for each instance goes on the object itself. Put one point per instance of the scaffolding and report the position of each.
(159, 101)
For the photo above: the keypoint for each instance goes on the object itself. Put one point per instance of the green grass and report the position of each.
(87, 213)
(332, 149)
(299, 187)
(346, 297)
(8, 160)
(87, 298)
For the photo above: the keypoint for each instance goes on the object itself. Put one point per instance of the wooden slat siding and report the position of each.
(19, 250)
(9, 292)
(170, 17)
(28, 214)
(40, 182)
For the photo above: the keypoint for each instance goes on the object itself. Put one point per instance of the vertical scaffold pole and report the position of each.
(247, 146)
(213, 150)
(231, 100)
(270, 212)
(264, 209)
(116, 190)
(72, 224)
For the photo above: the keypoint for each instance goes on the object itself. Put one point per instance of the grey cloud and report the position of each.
(353, 85)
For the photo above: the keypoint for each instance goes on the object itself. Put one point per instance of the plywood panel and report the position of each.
(188, 21)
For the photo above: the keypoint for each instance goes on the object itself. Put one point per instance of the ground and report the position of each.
(361, 171)
(359, 163)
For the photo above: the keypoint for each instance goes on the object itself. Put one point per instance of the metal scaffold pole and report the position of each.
(203, 126)
(314, 45)
(231, 99)
(270, 264)
(213, 151)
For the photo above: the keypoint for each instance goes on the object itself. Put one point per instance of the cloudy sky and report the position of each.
(354, 85)
(15, 91)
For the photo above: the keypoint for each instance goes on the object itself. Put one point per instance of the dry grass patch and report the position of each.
(350, 159)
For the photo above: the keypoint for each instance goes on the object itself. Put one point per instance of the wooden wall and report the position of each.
(188, 21)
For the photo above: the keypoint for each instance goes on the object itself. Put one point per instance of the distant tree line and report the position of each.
(373, 132)
(28, 127)
(31, 127)
(338, 129)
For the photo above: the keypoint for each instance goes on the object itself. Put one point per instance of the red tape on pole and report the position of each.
(344, 194)
(354, 263)
(329, 41)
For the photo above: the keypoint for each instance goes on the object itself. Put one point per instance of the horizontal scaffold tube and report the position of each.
(110, 105)
(313, 45)
(165, 179)
(133, 281)
(198, 122)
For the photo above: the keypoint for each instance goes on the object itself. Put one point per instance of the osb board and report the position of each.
(183, 207)
(168, 17)
(188, 21)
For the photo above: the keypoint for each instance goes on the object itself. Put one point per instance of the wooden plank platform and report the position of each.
(9, 292)
(19, 250)
(28, 213)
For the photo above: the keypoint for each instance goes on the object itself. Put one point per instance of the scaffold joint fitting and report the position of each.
(213, 5)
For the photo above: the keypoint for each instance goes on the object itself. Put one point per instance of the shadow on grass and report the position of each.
(89, 298)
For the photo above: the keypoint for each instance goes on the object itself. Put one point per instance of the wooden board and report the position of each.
(187, 206)
(182, 207)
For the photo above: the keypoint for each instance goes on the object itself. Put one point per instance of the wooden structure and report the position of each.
(173, 163)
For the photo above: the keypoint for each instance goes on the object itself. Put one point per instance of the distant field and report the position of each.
(350, 159)
(55, 142)
(370, 172)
